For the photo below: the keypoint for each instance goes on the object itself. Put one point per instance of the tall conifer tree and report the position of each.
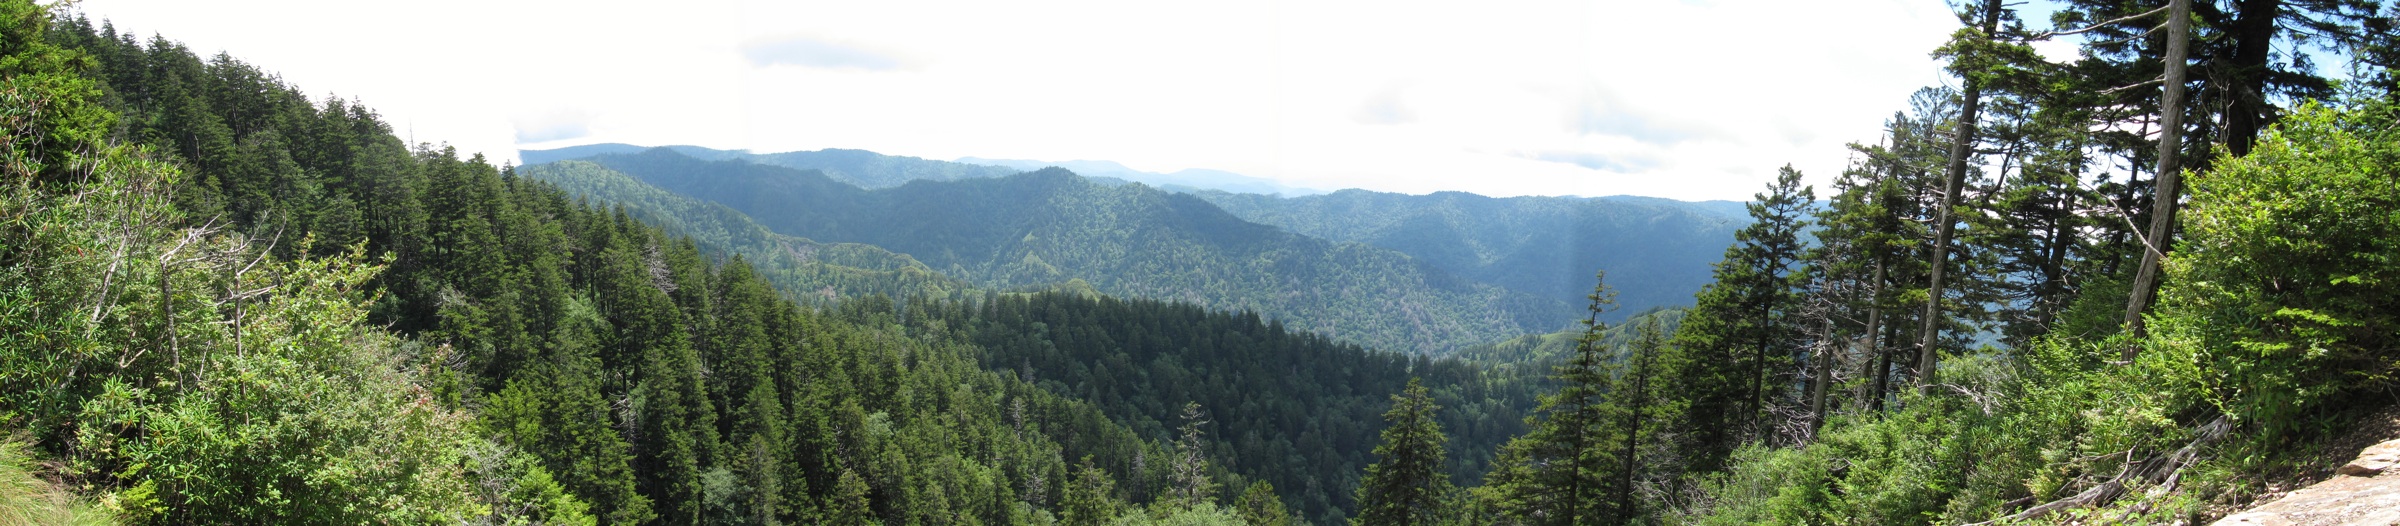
(1736, 337)
(1561, 470)
(1407, 484)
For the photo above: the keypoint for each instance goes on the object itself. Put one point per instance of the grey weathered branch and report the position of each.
(2164, 469)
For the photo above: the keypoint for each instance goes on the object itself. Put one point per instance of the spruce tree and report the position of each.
(1259, 506)
(1089, 500)
(1407, 485)
(848, 505)
(1560, 471)
(1736, 335)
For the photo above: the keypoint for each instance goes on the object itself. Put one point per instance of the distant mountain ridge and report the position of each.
(1657, 252)
(872, 170)
(860, 168)
(1051, 226)
(1189, 180)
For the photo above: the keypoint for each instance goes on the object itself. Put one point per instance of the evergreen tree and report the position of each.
(1407, 485)
(1090, 499)
(1259, 506)
(1562, 470)
(1972, 66)
(848, 504)
(1737, 341)
(1641, 416)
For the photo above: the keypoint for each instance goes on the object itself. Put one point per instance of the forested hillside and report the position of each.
(812, 272)
(1051, 226)
(1295, 409)
(1658, 250)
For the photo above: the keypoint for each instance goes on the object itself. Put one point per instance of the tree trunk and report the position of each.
(1758, 376)
(2254, 36)
(1962, 145)
(2169, 174)
(1824, 378)
(1874, 371)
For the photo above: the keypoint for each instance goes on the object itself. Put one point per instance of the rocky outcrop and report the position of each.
(2365, 491)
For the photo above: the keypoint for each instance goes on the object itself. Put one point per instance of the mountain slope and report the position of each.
(807, 270)
(1052, 226)
(1657, 252)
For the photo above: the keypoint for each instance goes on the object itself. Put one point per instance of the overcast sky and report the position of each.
(1691, 99)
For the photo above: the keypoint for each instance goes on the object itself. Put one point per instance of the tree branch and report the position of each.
(2045, 35)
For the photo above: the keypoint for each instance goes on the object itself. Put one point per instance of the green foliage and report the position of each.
(1734, 346)
(183, 372)
(295, 412)
(53, 119)
(2283, 295)
(1259, 506)
(1406, 485)
(1293, 409)
(2273, 318)
(1090, 497)
(1592, 441)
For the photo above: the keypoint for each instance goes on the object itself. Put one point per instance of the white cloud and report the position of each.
(554, 124)
(1695, 100)
(811, 52)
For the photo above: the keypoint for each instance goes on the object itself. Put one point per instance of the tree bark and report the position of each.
(1824, 378)
(1962, 145)
(1873, 367)
(2169, 176)
(2254, 36)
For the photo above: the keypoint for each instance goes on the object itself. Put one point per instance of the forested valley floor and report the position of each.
(224, 302)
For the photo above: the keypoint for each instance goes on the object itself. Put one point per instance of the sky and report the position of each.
(1691, 99)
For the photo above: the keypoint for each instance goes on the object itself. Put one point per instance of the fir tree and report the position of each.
(1560, 471)
(849, 505)
(1259, 506)
(1089, 500)
(1736, 336)
(1407, 485)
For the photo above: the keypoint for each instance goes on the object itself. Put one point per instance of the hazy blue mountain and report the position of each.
(532, 157)
(1185, 180)
(1052, 226)
(860, 168)
(1657, 252)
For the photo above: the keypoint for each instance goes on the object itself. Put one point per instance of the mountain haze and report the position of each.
(1657, 251)
(1189, 180)
(859, 168)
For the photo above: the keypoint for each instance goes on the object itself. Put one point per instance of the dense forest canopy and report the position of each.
(2148, 285)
